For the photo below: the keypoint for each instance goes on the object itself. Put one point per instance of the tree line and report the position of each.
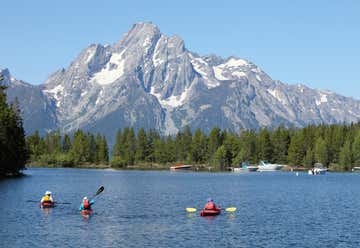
(13, 153)
(337, 146)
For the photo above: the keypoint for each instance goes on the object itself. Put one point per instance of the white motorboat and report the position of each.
(246, 167)
(263, 166)
(318, 169)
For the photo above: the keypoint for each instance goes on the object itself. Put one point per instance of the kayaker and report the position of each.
(86, 204)
(210, 205)
(47, 198)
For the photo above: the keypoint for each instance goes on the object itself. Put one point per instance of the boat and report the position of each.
(47, 204)
(264, 166)
(86, 212)
(318, 169)
(356, 169)
(246, 167)
(213, 212)
(180, 167)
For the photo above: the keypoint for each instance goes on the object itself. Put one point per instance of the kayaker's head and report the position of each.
(48, 192)
(209, 200)
(85, 198)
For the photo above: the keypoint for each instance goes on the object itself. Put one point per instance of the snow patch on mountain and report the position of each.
(172, 101)
(235, 63)
(112, 71)
(277, 95)
(218, 71)
(55, 93)
(323, 99)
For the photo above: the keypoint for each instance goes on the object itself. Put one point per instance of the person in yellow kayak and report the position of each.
(47, 199)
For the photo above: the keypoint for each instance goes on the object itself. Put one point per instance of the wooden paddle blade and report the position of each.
(190, 210)
(232, 209)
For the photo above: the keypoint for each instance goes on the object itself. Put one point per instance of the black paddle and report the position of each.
(101, 189)
(54, 202)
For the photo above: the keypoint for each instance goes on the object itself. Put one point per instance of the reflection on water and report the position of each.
(147, 209)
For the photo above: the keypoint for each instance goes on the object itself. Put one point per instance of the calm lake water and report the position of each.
(146, 209)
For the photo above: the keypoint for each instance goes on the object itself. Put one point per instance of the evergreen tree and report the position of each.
(78, 150)
(356, 148)
(214, 142)
(264, 146)
(13, 151)
(345, 156)
(103, 151)
(296, 151)
(141, 146)
(116, 151)
(199, 147)
(321, 151)
(66, 145)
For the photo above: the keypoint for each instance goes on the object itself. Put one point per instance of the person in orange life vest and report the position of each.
(210, 205)
(47, 198)
(86, 204)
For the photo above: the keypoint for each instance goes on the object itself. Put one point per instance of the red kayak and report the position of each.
(47, 204)
(86, 213)
(212, 212)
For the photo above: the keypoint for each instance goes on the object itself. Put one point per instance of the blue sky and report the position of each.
(312, 42)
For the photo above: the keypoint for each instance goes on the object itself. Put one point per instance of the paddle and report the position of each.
(191, 210)
(65, 203)
(101, 189)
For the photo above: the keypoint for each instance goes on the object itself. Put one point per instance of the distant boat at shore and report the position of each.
(263, 166)
(246, 167)
(356, 169)
(318, 169)
(180, 167)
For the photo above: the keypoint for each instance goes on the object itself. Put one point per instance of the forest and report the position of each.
(13, 152)
(335, 146)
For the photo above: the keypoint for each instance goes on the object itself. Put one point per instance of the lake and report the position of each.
(147, 209)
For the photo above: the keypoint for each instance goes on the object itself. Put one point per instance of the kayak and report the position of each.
(86, 213)
(213, 212)
(47, 205)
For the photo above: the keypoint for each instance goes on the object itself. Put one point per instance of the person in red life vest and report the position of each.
(210, 205)
(86, 204)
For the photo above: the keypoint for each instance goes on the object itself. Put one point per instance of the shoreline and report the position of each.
(161, 168)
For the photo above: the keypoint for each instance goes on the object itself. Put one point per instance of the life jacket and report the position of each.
(46, 198)
(86, 204)
(210, 206)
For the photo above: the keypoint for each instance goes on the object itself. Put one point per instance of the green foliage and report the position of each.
(337, 146)
(13, 149)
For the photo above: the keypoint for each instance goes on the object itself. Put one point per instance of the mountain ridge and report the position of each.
(147, 79)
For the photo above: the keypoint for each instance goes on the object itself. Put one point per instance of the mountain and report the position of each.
(38, 111)
(150, 80)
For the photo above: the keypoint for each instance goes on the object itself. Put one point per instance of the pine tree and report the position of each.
(199, 147)
(345, 156)
(66, 145)
(264, 146)
(78, 150)
(321, 151)
(141, 146)
(214, 142)
(116, 151)
(296, 151)
(103, 151)
(13, 150)
(356, 148)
